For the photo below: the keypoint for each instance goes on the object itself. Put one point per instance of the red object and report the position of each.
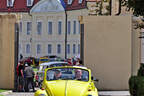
(27, 60)
(17, 69)
(69, 62)
(36, 77)
(42, 88)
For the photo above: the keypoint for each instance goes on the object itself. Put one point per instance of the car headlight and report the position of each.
(42, 95)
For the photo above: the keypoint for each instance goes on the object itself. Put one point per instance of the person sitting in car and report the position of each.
(57, 75)
(78, 74)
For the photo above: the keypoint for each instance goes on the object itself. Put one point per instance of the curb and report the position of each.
(5, 93)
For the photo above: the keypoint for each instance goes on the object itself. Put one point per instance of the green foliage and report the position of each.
(136, 85)
(137, 6)
(2, 90)
(141, 70)
(132, 85)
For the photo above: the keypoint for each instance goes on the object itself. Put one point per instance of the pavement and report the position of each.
(114, 93)
(101, 93)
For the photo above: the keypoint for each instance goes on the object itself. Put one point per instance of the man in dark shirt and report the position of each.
(20, 78)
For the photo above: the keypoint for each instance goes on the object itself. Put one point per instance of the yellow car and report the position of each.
(67, 81)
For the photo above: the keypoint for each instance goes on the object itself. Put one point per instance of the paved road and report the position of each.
(101, 93)
(20, 94)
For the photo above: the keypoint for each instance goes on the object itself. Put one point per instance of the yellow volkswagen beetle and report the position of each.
(67, 81)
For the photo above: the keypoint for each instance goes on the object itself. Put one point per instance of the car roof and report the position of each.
(51, 63)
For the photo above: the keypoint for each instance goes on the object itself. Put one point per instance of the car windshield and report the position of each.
(67, 74)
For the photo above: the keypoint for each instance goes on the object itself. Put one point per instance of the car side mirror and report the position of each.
(94, 79)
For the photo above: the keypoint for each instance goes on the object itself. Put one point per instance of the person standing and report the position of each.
(29, 74)
(20, 77)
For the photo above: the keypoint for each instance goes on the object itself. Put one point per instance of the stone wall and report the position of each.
(7, 30)
(111, 50)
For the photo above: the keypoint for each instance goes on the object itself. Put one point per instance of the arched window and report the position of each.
(74, 48)
(10, 3)
(39, 27)
(28, 48)
(68, 48)
(38, 48)
(30, 2)
(49, 48)
(60, 27)
(59, 49)
(74, 27)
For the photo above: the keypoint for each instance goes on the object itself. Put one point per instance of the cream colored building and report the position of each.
(42, 31)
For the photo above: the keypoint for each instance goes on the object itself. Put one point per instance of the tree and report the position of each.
(137, 6)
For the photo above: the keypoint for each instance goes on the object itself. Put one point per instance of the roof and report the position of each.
(51, 63)
(21, 5)
(62, 3)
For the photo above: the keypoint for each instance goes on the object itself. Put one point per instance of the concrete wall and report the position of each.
(108, 50)
(7, 51)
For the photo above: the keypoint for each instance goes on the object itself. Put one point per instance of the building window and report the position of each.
(69, 1)
(29, 28)
(69, 27)
(80, 1)
(49, 28)
(74, 48)
(79, 27)
(19, 48)
(20, 27)
(59, 27)
(29, 2)
(38, 48)
(10, 3)
(49, 48)
(74, 27)
(39, 28)
(78, 48)
(28, 48)
(68, 48)
(59, 49)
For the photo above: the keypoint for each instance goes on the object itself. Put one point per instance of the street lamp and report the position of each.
(65, 34)
(80, 18)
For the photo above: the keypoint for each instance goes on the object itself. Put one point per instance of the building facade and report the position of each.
(43, 24)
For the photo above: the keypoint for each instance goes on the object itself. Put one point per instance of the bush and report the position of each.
(141, 70)
(136, 85)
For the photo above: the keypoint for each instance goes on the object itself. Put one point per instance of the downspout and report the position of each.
(110, 4)
(29, 13)
(65, 34)
(119, 10)
(16, 55)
